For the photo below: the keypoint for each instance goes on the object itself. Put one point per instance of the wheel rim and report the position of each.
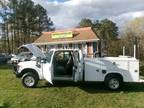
(114, 84)
(29, 81)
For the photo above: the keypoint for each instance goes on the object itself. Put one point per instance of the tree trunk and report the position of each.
(7, 37)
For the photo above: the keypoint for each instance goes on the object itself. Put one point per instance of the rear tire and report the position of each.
(113, 82)
(29, 80)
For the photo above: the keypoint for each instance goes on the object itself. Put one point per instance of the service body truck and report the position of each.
(69, 65)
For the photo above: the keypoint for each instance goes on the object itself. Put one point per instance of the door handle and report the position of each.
(97, 70)
(75, 67)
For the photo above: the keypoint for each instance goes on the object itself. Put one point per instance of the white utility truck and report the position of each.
(69, 65)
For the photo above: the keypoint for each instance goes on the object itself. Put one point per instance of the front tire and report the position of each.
(29, 80)
(113, 82)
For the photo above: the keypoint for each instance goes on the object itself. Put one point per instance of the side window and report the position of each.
(59, 56)
(49, 56)
(67, 55)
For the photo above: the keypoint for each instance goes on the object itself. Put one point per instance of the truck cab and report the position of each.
(61, 64)
(57, 64)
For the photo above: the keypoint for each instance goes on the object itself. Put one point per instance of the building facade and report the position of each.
(82, 38)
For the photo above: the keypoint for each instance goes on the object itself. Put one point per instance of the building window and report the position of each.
(59, 45)
(75, 46)
(53, 46)
(70, 45)
(94, 47)
(80, 46)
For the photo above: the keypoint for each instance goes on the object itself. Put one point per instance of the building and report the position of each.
(82, 38)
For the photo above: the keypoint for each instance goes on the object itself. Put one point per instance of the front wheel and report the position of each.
(113, 82)
(29, 80)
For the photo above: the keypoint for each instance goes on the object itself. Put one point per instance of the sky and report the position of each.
(68, 13)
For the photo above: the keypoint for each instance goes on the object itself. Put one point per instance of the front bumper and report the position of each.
(15, 68)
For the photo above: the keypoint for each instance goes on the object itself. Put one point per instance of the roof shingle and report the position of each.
(79, 35)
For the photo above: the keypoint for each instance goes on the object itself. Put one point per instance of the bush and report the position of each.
(142, 70)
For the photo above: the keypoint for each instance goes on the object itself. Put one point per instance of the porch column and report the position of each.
(90, 49)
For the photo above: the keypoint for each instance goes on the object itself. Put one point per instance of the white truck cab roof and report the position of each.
(64, 49)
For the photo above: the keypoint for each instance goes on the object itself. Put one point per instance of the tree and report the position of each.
(44, 23)
(134, 34)
(23, 20)
(107, 31)
(4, 14)
(85, 23)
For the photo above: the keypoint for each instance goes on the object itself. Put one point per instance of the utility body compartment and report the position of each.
(96, 69)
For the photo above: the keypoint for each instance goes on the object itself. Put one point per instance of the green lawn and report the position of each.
(66, 95)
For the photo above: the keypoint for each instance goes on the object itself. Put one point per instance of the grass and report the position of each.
(66, 95)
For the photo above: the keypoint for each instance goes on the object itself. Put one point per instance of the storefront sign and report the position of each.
(62, 35)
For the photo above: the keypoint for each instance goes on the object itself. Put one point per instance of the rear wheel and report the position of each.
(113, 82)
(29, 80)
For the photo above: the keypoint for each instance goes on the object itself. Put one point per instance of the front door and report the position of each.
(47, 67)
(47, 72)
(63, 65)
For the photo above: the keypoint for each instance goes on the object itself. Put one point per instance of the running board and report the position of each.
(63, 78)
(141, 80)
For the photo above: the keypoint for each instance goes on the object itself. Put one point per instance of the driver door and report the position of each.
(47, 72)
(47, 67)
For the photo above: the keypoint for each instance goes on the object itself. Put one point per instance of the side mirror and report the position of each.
(38, 59)
(44, 60)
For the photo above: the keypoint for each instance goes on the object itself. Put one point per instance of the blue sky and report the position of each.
(68, 13)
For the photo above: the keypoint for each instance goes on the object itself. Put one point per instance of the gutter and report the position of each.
(66, 42)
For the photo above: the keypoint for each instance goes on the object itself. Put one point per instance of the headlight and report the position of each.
(18, 67)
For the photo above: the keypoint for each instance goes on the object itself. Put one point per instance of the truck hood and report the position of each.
(34, 50)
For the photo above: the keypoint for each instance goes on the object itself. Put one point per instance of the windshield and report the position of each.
(23, 54)
(20, 55)
(49, 56)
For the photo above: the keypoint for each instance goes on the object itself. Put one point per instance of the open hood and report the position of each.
(34, 50)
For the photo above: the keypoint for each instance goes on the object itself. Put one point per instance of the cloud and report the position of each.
(68, 13)
(124, 18)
